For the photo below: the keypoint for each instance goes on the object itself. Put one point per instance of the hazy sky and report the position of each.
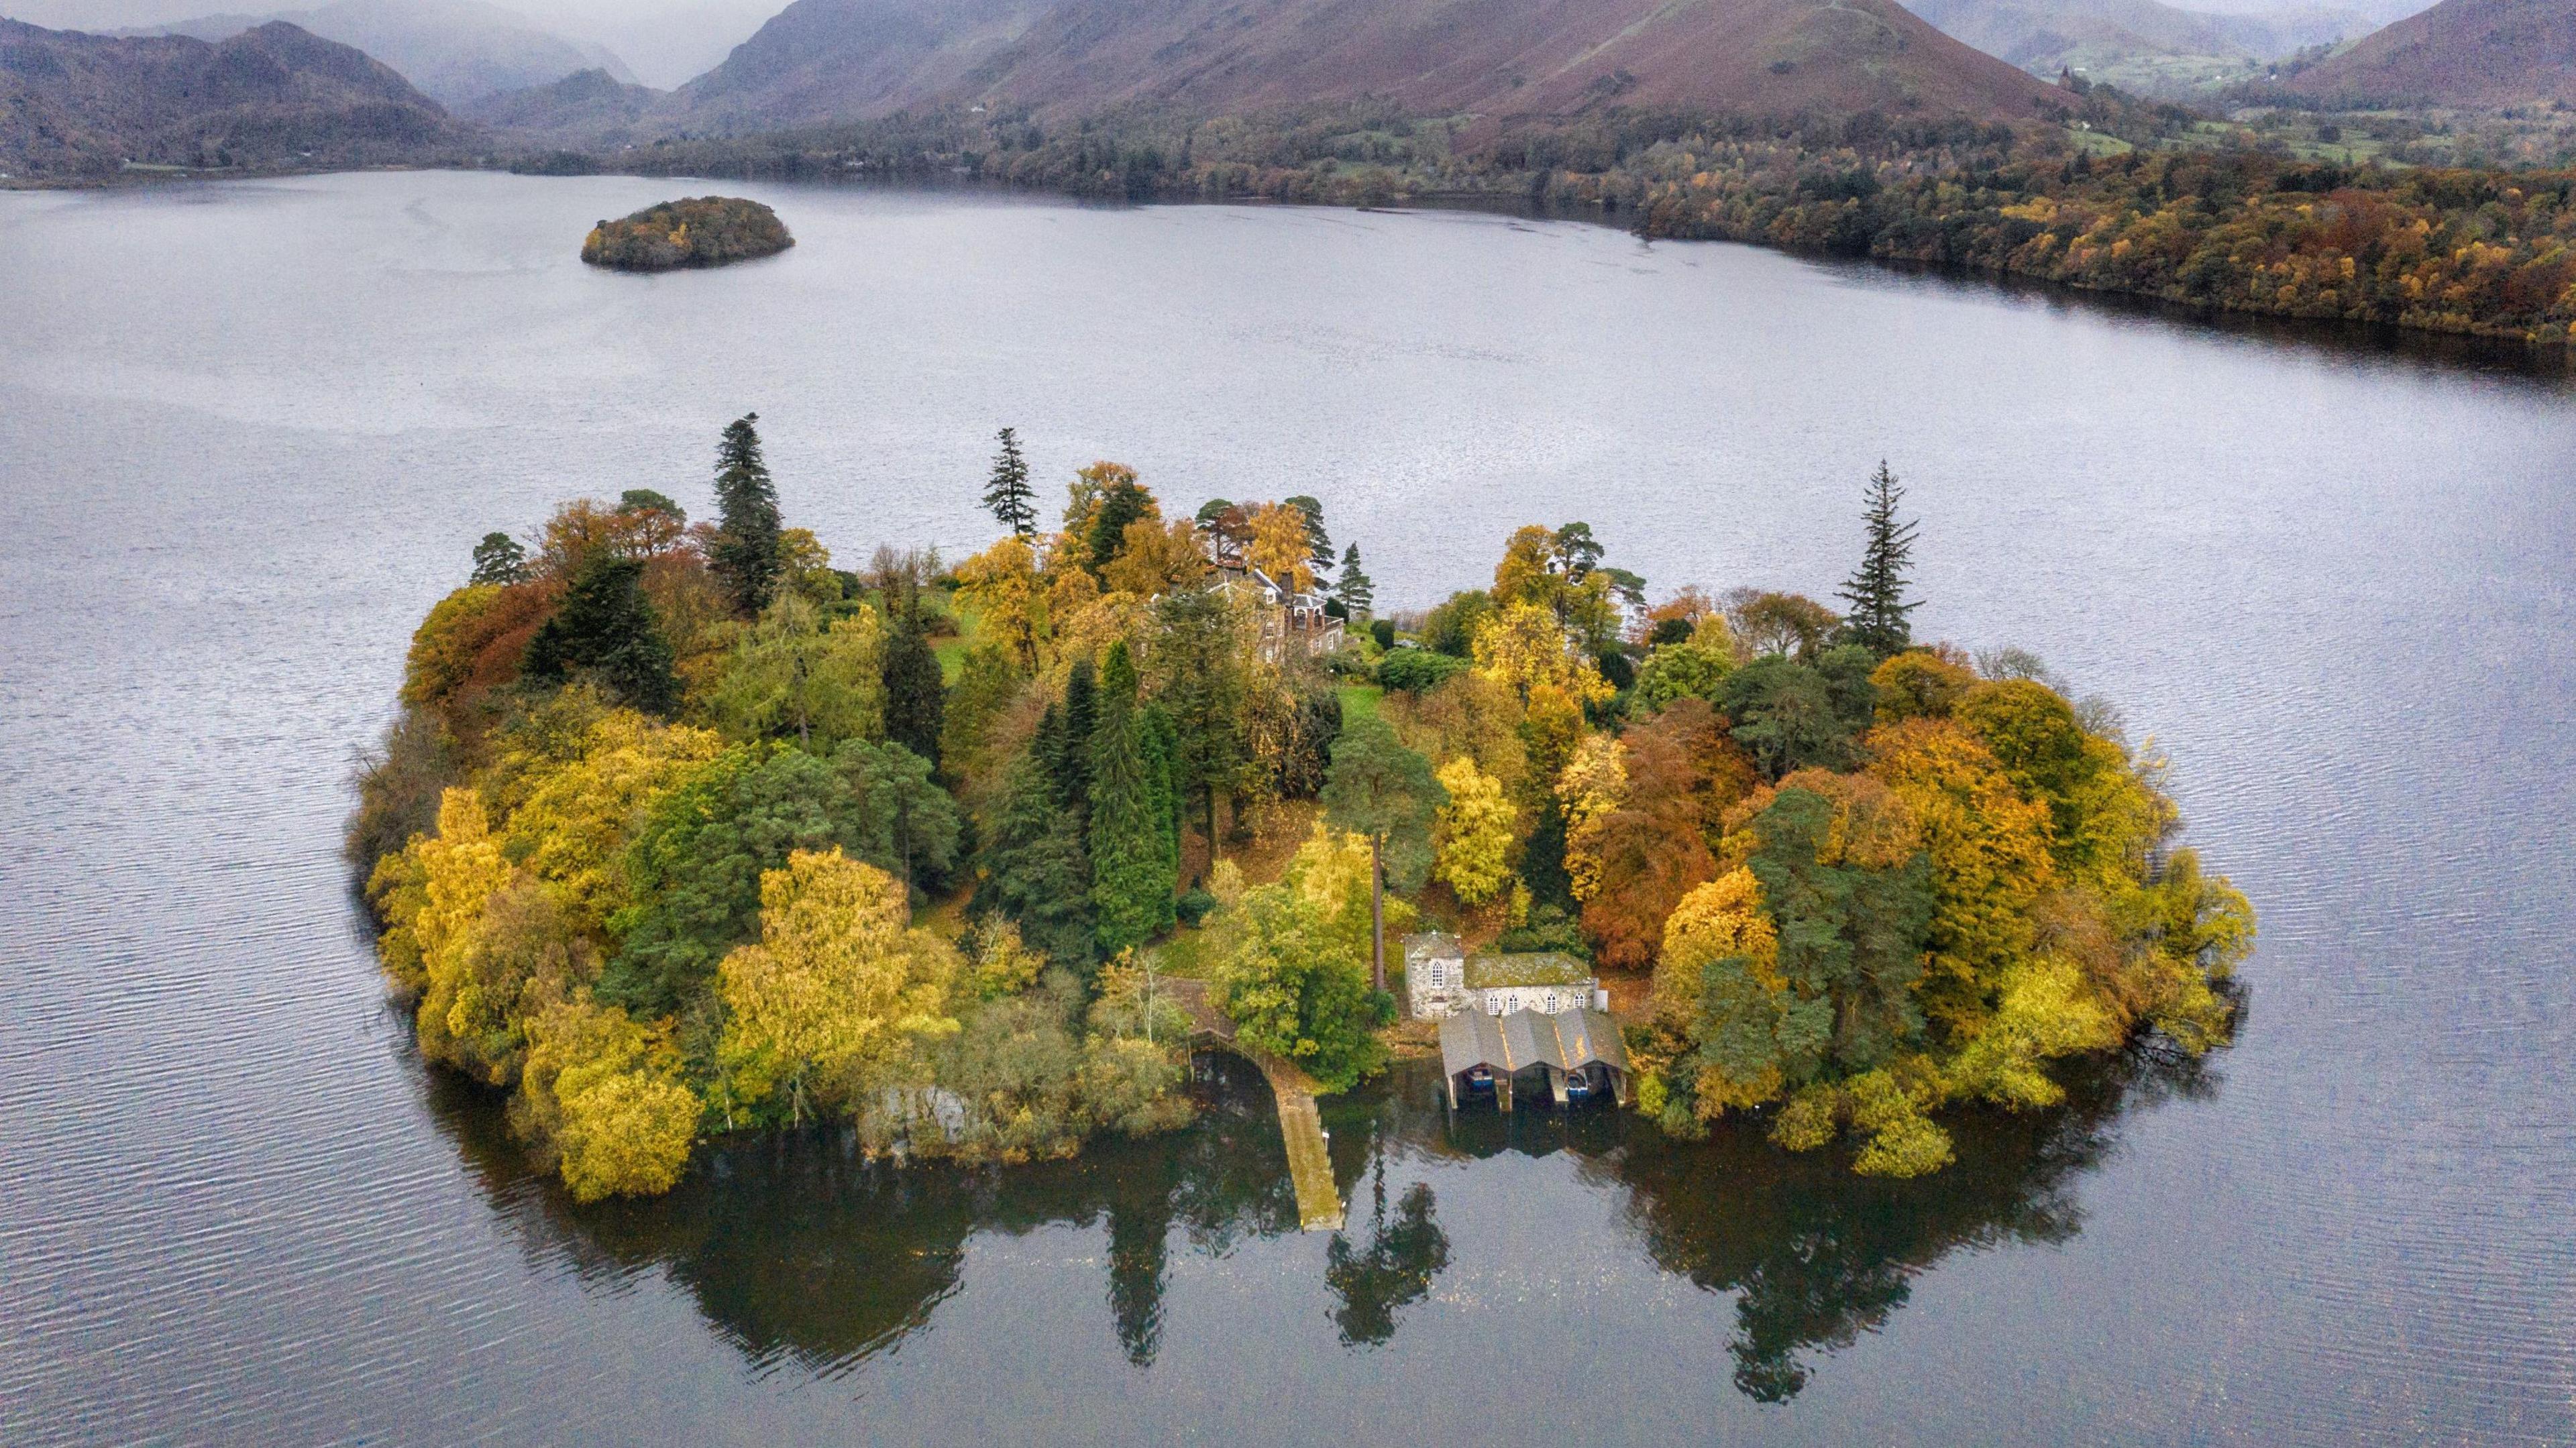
(664, 41)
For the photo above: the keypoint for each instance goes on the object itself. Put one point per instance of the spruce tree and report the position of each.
(605, 633)
(1072, 756)
(1033, 868)
(1123, 503)
(1132, 863)
(745, 557)
(914, 687)
(1354, 588)
(1876, 590)
(1008, 495)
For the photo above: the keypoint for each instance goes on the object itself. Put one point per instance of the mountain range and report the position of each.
(74, 105)
(453, 50)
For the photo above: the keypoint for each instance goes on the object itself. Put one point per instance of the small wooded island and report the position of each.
(683, 831)
(700, 231)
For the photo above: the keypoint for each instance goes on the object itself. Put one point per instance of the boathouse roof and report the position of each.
(1568, 1040)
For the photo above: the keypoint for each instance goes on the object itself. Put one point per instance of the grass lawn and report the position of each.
(1360, 701)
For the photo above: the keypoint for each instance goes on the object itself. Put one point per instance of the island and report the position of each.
(698, 232)
(683, 830)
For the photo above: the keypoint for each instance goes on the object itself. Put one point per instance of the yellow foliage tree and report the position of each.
(1473, 833)
(460, 869)
(1001, 584)
(1280, 547)
(1990, 863)
(1714, 921)
(838, 985)
(1156, 558)
(572, 827)
(603, 1095)
(1525, 649)
(1589, 788)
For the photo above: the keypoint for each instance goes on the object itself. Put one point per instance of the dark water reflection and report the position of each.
(797, 1251)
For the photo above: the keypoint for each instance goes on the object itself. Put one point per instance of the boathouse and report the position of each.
(1570, 1055)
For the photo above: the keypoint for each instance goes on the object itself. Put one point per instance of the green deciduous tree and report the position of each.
(745, 557)
(1379, 789)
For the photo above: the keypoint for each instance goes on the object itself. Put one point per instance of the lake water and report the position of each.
(249, 432)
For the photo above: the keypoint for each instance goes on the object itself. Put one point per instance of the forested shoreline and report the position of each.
(2123, 201)
(684, 830)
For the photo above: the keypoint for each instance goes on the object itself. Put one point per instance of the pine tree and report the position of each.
(1319, 544)
(1354, 588)
(1132, 863)
(605, 633)
(914, 699)
(746, 557)
(499, 559)
(1876, 590)
(1008, 495)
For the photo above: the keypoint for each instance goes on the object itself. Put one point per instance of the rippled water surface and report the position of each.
(248, 433)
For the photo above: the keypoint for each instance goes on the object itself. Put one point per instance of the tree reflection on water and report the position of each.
(802, 1253)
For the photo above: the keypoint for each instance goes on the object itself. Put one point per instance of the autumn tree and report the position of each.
(1280, 546)
(790, 676)
(603, 1097)
(1117, 501)
(1644, 851)
(1876, 589)
(1295, 986)
(838, 986)
(1007, 494)
(1473, 832)
(1779, 623)
(1386, 793)
(1002, 585)
(605, 633)
(745, 553)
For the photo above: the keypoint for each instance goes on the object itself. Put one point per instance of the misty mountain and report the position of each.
(589, 109)
(83, 105)
(454, 50)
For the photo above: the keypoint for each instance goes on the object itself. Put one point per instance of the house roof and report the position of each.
(1536, 967)
(1568, 1040)
(1432, 945)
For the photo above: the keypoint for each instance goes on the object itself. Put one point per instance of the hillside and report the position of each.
(2472, 53)
(827, 60)
(455, 51)
(74, 105)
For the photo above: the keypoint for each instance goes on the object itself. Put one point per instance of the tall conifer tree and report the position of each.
(1354, 588)
(1132, 863)
(914, 700)
(1876, 590)
(1008, 495)
(746, 557)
